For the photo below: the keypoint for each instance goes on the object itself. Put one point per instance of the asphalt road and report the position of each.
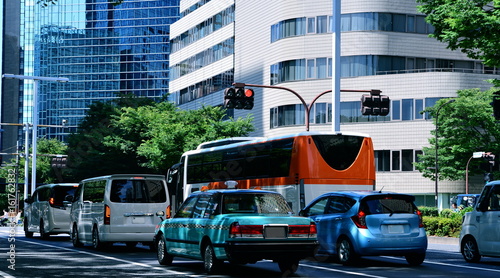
(56, 257)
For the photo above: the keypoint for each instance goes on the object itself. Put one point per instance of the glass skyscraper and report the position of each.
(104, 49)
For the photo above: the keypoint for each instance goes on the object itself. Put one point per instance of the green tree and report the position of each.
(465, 126)
(88, 153)
(45, 172)
(130, 135)
(471, 26)
(160, 134)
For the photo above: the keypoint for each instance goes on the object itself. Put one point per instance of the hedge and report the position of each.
(446, 223)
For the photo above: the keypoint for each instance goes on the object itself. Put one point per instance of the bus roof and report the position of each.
(226, 141)
(264, 139)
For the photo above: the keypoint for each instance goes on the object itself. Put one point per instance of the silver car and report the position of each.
(480, 234)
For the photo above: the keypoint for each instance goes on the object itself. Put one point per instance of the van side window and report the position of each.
(494, 199)
(138, 191)
(94, 191)
(44, 194)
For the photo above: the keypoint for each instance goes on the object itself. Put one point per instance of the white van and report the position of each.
(479, 235)
(45, 211)
(118, 208)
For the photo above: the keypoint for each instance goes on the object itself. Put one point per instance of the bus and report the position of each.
(300, 166)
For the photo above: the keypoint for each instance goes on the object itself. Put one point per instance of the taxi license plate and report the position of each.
(275, 231)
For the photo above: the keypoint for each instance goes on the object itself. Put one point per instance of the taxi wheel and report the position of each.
(164, 258)
(27, 233)
(210, 261)
(470, 250)
(74, 237)
(345, 252)
(288, 267)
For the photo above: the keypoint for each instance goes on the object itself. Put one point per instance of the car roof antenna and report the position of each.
(380, 191)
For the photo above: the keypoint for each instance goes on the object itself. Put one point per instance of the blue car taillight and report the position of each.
(420, 221)
(360, 220)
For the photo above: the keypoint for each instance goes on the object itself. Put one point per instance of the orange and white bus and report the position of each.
(299, 166)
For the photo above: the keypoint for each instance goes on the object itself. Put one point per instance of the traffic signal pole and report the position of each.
(307, 108)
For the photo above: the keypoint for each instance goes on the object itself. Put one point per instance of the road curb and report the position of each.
(442, 240)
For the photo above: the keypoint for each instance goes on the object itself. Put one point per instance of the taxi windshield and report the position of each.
(255, 203)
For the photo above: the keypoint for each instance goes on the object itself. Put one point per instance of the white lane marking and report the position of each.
(342, 271)
(451, 265)
(6, 275)
(111, 258)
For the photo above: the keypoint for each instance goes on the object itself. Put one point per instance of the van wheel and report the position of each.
(164, 258)
(210, 261)
(345, 252)
(27, 233)
(96, 243)
(470, 250)
(74, 237)
(43, 234)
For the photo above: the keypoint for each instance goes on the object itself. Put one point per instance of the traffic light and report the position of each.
(496, 106)
(375, 104)
(490, 157)
(59, 162)
(238, 97)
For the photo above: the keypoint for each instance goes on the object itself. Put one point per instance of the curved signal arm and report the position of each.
(306, 107)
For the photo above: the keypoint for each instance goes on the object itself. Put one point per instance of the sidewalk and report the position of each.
(450, 244)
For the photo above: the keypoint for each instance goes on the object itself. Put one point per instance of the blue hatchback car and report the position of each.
(368, 223)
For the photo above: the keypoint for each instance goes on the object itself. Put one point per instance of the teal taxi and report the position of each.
(239, 226)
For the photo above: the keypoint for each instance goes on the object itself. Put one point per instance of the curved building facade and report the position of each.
(384, 45)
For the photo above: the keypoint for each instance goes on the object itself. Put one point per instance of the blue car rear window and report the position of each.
(389, 205)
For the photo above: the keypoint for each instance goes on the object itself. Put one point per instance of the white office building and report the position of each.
(288, 43)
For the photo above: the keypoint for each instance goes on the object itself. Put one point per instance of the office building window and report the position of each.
(396, 161)
(383, 160)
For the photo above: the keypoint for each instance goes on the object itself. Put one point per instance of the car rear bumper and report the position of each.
(400, 246)
(126, 237)
(255, 251)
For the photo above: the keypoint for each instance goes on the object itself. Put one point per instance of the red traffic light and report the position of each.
(249, 93)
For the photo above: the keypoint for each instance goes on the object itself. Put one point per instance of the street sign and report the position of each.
(477, 154)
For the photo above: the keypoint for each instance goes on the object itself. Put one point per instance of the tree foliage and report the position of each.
(471, 26)
(464, 127)
(127, 136)
(160, 134)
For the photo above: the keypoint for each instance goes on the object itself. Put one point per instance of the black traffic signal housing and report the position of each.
(59, 162)
(238, 97)
(375, 104)
(496, 105)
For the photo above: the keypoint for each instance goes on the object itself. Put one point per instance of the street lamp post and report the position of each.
(36, 80)
(436, 161)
